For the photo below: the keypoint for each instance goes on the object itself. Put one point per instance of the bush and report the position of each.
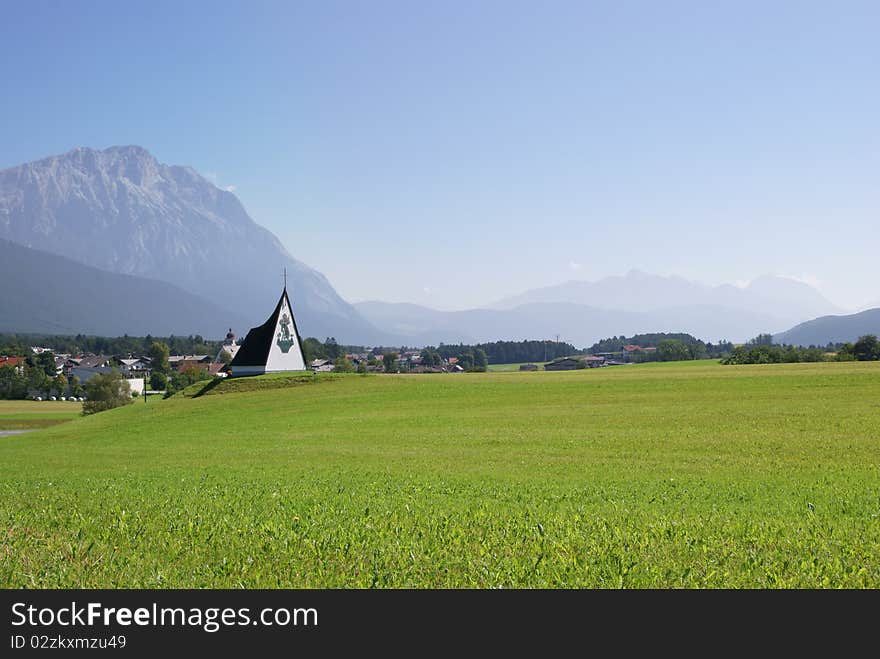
(158, 381)
(764, 354)
(106, 391)
(182, 379)
(13, 383)
(343, 365)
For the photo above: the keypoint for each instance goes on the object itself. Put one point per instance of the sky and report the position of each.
(454, 153)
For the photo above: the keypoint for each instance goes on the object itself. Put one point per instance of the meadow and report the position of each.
(658, 475)
(29, 414)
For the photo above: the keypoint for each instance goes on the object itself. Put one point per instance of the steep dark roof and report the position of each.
(254, 350)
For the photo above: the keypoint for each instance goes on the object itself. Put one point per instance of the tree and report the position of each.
(867, 348)
(343, 365)
(762, 340)
(38, 381)
(672, 350)
(332, 349)
(389, 360)
(46, 362)
(76, 388)
(430, 357)
(312, 350)
(158, 354)
(13, 383)
(158, 381)
(60, 384)
(466, 360)
(182, 379)
(481, 362)
(106, 391)
(846, 354)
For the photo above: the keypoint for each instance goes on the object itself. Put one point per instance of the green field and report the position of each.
(506, 368)
(29, 414)
(659, 475)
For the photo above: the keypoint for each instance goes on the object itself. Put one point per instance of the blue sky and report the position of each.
(452, 153)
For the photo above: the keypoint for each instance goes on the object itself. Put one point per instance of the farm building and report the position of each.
(321, 365)
(565, 364)
(273, 347)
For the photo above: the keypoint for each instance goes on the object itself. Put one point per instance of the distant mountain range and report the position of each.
(583, 312)
(122, 211)
(781, 300)
(832, 329)
(574, 323)
(78, 299)
(197, 263)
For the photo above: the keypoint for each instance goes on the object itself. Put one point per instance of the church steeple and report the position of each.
(273, 347)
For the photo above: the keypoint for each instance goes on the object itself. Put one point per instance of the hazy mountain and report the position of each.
(122, 211)
(785, 301)
(832, 329)
(43, 292)
(575, 323)
(583, 312)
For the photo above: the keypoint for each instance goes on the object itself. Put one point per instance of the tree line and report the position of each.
(18, 345)
(510, 352)
(669, 347)
(762, 350)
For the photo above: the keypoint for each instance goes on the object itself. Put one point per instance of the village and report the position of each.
(137, 369)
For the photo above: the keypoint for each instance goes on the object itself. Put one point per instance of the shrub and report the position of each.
(158, 381)
(106, 391)
(182, 379)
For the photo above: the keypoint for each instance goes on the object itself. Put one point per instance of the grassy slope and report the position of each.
(657, 475)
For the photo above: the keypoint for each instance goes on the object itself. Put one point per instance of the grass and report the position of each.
(505, 368)
(661, 475)
(28, 414)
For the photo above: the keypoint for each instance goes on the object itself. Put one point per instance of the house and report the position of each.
(528, 367)
(212, 368)
(427, 369)
(86, 373)
(593, 361)
(357, 358)
(15, 362)
(565, 364)
(134, 366)
(95, 361)
(176, 361)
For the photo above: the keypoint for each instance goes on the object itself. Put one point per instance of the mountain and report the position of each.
(583, 312)
(122, 211)
(55, 295)
(832, 329)
(575, 323)
(785, 301)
